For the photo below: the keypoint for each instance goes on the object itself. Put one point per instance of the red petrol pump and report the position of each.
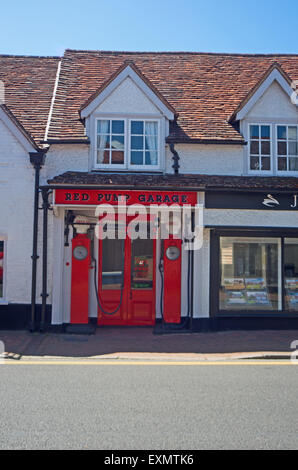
(81, 260)
(171, 308)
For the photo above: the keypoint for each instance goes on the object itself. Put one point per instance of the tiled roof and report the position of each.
(29, 84)
(204, 89)
(181, 181)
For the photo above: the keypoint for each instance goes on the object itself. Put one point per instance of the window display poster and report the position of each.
(292, 283)
(257, 298)
(255, 283)
(234, 283)
(292, 291)
(235, 297)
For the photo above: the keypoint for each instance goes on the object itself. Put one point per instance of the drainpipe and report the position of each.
(44, 295)
(37, 160)
(175, 157)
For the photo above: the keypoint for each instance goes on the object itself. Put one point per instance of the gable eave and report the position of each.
(18, 131)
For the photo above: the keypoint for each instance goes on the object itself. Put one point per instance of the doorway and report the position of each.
(126, 281)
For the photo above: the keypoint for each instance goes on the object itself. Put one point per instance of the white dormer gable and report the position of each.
(128, 92)
(275, 103)
(128, 98)
(276, 85)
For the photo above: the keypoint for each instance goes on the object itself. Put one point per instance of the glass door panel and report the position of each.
(142, 264)
(112, 264)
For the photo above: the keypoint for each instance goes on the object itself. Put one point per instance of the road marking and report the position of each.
(151, 363)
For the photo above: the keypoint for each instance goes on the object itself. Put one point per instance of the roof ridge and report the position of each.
(233, 54)
(22, 56)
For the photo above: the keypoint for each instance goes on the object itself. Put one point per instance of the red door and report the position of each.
(126, 282)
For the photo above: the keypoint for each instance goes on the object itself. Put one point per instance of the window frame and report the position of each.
(284, 172)
(271, 140)
(127, 144)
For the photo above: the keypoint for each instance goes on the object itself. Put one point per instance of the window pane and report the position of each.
(137, 143)
(103, 156)
(137, 158)
(142, 264)
(265, 161)
(254, 132)
(254, 147)
(292, 131)
(282, 148)
(117, 142)
(150, 158)
(103, 127)
(250, 274)
(282, 132)
(291, 273)
(151, 142)
(254, 163)
(151, 128)
(117, 127)
(293, 148)
(1, 267)
(282, 164)
(137, 127)
(112, 263)
(265, 132)
(117, 157)
(293, 164)
(103, 141)
(265, 148)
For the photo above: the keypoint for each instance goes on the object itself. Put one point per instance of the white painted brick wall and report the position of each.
(16, 215)
(207, 159)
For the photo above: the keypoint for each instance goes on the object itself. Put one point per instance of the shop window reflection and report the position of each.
(1, 267)
(250, 274)
(291, 273)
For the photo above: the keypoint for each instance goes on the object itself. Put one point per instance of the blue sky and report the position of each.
(43, 27)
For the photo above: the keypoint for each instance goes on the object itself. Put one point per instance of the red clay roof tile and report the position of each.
(29, 83)
(204, 89)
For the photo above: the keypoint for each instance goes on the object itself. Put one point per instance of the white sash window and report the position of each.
(128, 144)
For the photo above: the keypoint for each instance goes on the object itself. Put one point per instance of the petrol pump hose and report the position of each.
(105, 312)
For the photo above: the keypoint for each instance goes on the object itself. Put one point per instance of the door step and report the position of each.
(80, 329)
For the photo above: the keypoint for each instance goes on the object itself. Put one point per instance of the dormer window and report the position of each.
(273, 149)
(128, 144)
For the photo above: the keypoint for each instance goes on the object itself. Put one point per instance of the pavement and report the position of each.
(141, 344)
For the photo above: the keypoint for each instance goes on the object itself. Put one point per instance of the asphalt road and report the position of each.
(148, 407)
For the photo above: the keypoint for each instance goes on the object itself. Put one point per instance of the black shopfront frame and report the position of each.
(215, 234)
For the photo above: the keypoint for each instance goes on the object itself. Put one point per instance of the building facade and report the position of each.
(215, 133)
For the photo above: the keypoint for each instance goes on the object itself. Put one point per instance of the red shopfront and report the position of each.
(123, 269)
